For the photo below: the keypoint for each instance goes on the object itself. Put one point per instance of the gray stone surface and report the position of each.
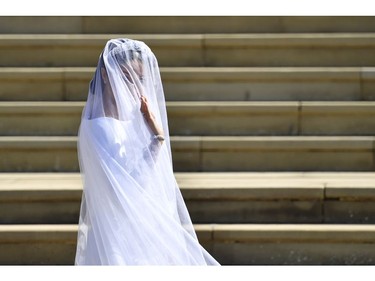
(190, 24)
(210, 197)
(229, 244)
(206, 118)
(199, 84)
(299, 91)
(219, 154)
(240, 50)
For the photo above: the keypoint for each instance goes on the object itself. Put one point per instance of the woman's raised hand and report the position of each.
(150, 118)
(145, 109)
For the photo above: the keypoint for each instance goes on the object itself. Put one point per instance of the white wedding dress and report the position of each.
(132, 210)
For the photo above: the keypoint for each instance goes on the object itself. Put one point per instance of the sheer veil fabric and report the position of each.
(132, 211)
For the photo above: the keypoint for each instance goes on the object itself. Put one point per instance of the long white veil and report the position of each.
(132, 211)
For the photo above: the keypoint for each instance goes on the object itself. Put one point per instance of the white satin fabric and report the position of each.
(132, 210)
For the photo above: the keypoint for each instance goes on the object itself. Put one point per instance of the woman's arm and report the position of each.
(158, 138)
(151, 120)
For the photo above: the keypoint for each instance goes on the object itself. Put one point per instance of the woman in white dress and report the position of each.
(132, 211)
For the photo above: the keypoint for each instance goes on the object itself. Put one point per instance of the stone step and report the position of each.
(178, 24)
(206, 118)
(271, 118)
(201, 83)
(307, 49)
(207, 154)
(229, 197)
(230, 244)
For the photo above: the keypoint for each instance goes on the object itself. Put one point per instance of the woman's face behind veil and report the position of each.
(130, 72)
(132, 69)
(137, 68)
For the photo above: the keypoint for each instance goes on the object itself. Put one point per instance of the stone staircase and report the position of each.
(271, 121)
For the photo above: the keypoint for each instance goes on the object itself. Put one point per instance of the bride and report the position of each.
(132, 211)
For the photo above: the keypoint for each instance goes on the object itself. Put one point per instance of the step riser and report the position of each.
(196, 84)
(270, 154)
(267, 84)
(38, 157)
(37, 123)
(51, 56)
(275, 161)
(230, 247)
(293, 56)
(48, 212)
(191, 24)
(45, 85)
(293, 119)
(205, 120)
(255, 253)
(267, 90)
(302, 246)
(197, 51)
(208, 155)
(49, 253)
(282, 211)
(209, 211)
(210, 197)
(276, 253)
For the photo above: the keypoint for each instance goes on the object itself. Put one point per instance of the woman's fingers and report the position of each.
(144, 104)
